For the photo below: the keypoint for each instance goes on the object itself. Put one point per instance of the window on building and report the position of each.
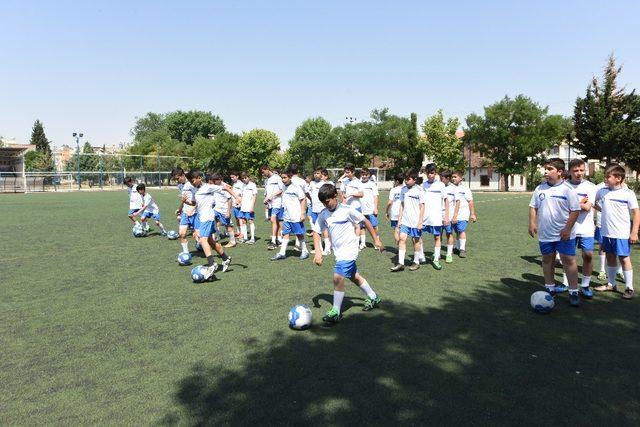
(512, 181)
(555, 151)
(521, 180)
(484, 180)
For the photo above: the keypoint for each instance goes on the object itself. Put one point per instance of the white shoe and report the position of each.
(362, 246)
(326, 253)
(250, 242)
(210, 270)
(225, 264)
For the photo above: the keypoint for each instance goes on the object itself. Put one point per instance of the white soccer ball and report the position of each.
(197, 274)
(184, 258)
(138, 231)
(542, 302)
(300, 317)
(172, 235)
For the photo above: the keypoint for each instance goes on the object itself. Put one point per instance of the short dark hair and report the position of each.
(244, 175)
(141, 186)
(615, 170)
(575, 163)
(293, 169)
(411, 174)
(215, 176)
(555, 162)
(195, 173)
(265, 168)
(398, 178)
(458, 172)
(349, 167)
(326, 192)
(318, 169)
(128, 179)
(236, 173)
(177, 172)
(324, 171)
(430, 168)
(365, 171)
(287, 173)
(446, 174)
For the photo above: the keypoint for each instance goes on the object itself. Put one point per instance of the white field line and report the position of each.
(503, 198)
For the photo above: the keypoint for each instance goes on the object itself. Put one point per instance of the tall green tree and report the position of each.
(605, 119)
(512, 132)
(149, 123)
(441, 143)
(87, 161)
(185, 126)
(38, 161)
(38, 138)
(308, 146)
(256, 147)
(218, 153)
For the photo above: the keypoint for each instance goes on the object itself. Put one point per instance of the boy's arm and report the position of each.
(317, 243)
(533, 218)
(420, 216)
(454, 218)
(229, 204)
(445, 220)
(389, 203)
(303, 205)
(229, 189)
(472, 209)
(565, 233)
(634, 227)
(375, 205)
(400, 215)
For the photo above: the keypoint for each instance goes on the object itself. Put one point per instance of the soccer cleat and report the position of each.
(304, 255)
(448, 259)
(163, 233)
(230, 245)
(586, 292)
(271, 246)
(628, 293)
(436, 264)
(602, 275)
(225, 264)
(462, 253)
(209, 271)
(606, 288)
(250, 242)
(558, 289)
(397, 267)
(574, 299)
(277, 257)
(456, 251)
(362, 246)
(620, 276)
(414, 267)
(370, 304)
(327, 252)
(332, 316)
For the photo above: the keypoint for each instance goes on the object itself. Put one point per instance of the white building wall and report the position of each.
(479, 179)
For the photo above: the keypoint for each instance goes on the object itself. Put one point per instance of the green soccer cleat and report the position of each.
(332, 316)
(448, 259)
(436, 264)
(602, 275)
(370, 304)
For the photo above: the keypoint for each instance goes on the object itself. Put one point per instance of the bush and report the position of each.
(634, 184)
(535, 181)
(598, 177)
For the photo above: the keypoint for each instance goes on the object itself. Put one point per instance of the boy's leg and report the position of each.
(437, 247)
(226, 259)
(548, 266)
(462, 244)
(363, 238)
(603, 264)
(252, 228)
(232, 235)
(450, 243)
(587, 267)
(243, 229)
(373, 300)
(274, 229)
(417, 254)
(303, 246)
(333, 315)
(402, 251)
(283, 248)
(182, 232)
(159, 224)
(627, 271)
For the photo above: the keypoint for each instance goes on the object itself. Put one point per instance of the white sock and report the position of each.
(363, 239)
(243, 231)
(337, 300)
(620, 272)
(283, 246)
(401, 254)
(303, 246)
(565, 281)
(549, 288)
(367, 290)
(416, 258)
(586, 280)
(421, 252)
(273, 239)
(252, 227)
(436, 252)
(185, 246)
(603, 262)
(611, 274)
(463, 244)
(449, 250)
(162, 227)
(628, 278)
(327, 244)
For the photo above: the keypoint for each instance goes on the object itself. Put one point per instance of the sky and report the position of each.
(95, 66)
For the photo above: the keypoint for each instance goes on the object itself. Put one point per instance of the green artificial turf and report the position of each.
(98, 327)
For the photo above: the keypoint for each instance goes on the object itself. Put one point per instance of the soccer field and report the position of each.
(98, 327)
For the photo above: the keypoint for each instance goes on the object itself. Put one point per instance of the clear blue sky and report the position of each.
(95, 66)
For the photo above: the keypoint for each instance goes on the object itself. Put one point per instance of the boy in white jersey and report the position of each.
(351, 188)
(615, 203)
(339, 220)
(447, 227)
(222, 207)
(465, 210)
(368, 203)
(320, 178)
(273, 199)
(247, 208)
(435, 203)
(553, 210)
(584, 227)
(294, 202)
(602, 275)
(393, 205)
(237, 185)
(204, 194)
(186, 211)
(135, 201)
(149, 209)
(295, 178)
(411, 218)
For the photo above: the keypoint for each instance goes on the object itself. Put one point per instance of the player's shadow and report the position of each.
(481, 357)
(347, 303)
(532, 259)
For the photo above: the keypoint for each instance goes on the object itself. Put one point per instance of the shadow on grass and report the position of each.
(479, 357)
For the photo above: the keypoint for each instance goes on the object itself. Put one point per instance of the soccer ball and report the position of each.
(184, 258)
(172, 235)
(300, 317)
(197, 274)
(542, 302)
(198, 247)
(138, 231)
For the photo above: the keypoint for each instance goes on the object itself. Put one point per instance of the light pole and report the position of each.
(77, 136)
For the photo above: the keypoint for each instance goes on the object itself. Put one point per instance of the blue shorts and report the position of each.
(432, 229)
(224, 220)
(563, 247)
(585, 244)
(394, 223)
(196, 222)
(132, 211)
(247, 215)
(207, 228)
(146, 215)
(236, 212)
(373, 219)
(410, 231)
(189, 221)
(277, 212)
(620, 247)
(314, 216)
(296, 228)
(447, 229)
(347, 269)
(597, 235)
(460, 226)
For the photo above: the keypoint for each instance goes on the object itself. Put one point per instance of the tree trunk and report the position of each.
(506, 182)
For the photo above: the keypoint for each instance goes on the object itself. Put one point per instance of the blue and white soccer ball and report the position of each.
(172, 235)
(138, 231)
(184, 258)
(542, 302)
(197, 274)
(300, 317)
(198, 247)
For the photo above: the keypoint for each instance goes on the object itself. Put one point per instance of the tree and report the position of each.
(87, 161)
(255, 148)
(605, 119)
(441, 143)
(512, 132)
(185, 126)
(219, 153)
(38, 161)
(151, 122)
(38, 138)
(308, 146)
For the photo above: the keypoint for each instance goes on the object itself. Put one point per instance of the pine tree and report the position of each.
(39, 139)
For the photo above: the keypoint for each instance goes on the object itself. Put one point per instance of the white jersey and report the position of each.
(554, 203)
(615, 206)
(291, 200)
(135, 200)
(464, 196)
(272, 186)
(249, 191)
(450, 191)
(150, 203)
(434, 202)
(341, 226)
(189, 191)
(237, 186)
(411, 199)
(314, 188)
(394, 198)
(367, 202)
(597, 214)
(205, 200)
(221, 203)
(584, 225)
(349, 187)
(300, 183)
